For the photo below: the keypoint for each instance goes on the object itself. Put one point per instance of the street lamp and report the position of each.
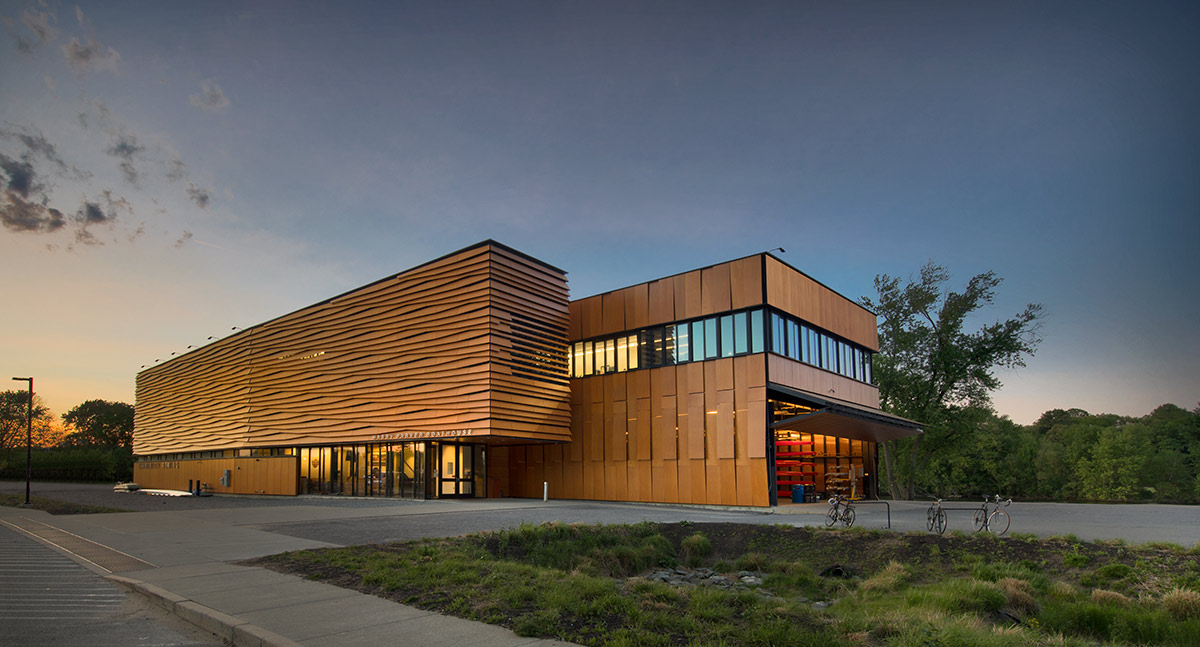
(28, 438)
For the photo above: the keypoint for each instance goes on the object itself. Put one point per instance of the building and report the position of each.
(475, 375)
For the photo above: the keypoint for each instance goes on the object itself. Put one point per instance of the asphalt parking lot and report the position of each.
(362, 520)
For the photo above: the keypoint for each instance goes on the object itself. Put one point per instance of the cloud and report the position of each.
(210, 98)
(26, 185)
(20, 215)
(187, 235)
(91, 213)
(176, 169)
(40, 23)
(102, 114)
(101, 212)
(198, 195)
(20, 175)
(125, 147)
(93, 55)
(24, 200)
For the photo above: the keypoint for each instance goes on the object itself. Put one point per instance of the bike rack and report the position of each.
(885, 503)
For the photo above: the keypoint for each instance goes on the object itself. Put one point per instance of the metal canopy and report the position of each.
(844, 419)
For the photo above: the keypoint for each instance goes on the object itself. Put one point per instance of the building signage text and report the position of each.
(171, 465)
(402, 435)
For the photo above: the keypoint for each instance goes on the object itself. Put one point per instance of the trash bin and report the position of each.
(797, 494)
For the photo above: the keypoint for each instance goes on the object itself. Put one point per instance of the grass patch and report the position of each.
(592, 585)
(54, 506)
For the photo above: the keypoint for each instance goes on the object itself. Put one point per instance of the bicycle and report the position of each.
(996, 521)
(935, 517)
(839, 511)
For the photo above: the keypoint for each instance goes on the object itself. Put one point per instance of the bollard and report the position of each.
(545, 491)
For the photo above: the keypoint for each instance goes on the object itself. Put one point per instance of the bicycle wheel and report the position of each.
(929, 517)
(998, 522)
(848, 516)
(939, 521)
(831, 517)
(979, 521)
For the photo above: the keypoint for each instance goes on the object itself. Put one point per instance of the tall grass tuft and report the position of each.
(695, 548)
(1101, 596)
(1019, 595)
(1182, 604)
(885, 580)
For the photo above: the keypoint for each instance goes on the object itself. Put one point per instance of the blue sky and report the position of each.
(173, 170)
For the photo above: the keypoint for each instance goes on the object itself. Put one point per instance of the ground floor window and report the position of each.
(825, 465)
(416, 470)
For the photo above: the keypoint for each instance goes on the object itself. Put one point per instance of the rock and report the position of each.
(750, 580)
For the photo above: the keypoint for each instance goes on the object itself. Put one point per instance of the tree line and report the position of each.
(1069, 455)
(933, 369)
(92, 442)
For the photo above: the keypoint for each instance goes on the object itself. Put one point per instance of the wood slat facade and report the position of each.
(469, 345)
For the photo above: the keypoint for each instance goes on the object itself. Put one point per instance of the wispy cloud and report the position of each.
(211, 98)
(198, 195)
(125, 147)
(84, 57)
(40, 25)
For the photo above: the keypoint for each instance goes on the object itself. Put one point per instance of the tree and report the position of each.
(100, 423)
(14, 411)
(931, 370)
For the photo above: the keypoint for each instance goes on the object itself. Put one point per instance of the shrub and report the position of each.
(95, 464)
(1076, 558)
(1019, 594)
(1182, 604)
(1114, 571)
(1100, 596)
(752, 562)
(1061, 590)
(695, 548)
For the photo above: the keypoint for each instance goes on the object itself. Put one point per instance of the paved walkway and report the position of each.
(180, 560)
(181, 556)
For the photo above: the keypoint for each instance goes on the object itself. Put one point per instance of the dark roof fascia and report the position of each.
(848, 409)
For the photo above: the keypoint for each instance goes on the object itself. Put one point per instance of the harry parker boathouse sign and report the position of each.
(409, 435)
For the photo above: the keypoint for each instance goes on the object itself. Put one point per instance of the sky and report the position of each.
(170, 171)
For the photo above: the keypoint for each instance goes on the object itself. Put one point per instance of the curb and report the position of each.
(229, 628)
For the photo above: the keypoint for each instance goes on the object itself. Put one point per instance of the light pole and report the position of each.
(28, 438)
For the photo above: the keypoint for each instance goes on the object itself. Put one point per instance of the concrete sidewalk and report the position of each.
(181, 562)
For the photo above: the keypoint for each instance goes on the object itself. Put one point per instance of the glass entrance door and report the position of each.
(456, 470)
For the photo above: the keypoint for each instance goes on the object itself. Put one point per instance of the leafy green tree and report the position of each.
(100, 423)
(1110, 473)
(930, 369)
(14, 408)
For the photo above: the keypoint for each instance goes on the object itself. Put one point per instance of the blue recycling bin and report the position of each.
(797, 494)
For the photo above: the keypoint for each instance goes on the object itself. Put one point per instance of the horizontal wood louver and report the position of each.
(472, 341)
